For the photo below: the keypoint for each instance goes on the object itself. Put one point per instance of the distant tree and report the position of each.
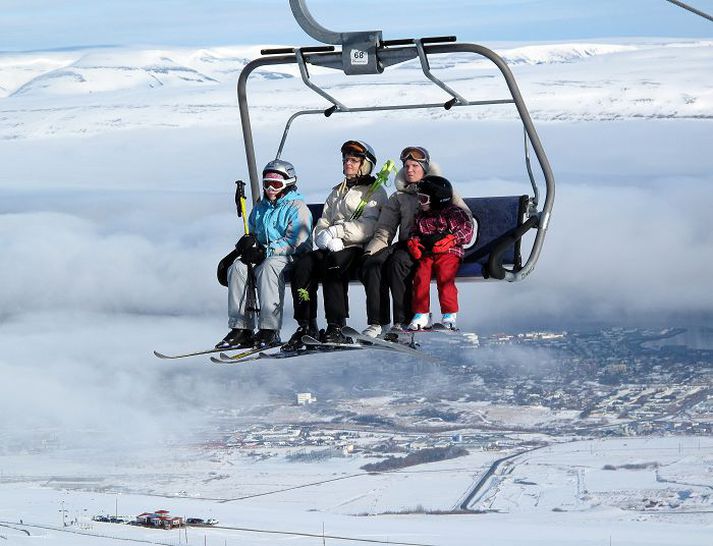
(429, 455)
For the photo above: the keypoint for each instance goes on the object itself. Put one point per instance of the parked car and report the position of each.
(212, 521)
(195, 521)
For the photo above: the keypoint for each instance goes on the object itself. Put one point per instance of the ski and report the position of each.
(312, 342)
(440, 327)
(312, 349)
(246, 358)
(248, 352)
(197, 353)
(225, 358)
(390, 345)
(435, 328)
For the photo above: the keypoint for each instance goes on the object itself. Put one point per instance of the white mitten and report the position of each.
(335, 245)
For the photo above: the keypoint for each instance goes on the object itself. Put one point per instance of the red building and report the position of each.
(160, 519)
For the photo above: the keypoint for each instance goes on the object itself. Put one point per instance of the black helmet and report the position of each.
(361, 149)
(438, 189)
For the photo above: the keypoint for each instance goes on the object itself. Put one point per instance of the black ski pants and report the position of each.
(333, 269)
(389, 269)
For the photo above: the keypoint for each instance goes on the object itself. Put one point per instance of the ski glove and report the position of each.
(334, 232)
(442, 246)
(322, 239)
(335, 245)
(415, 248)
(245, 242)
(254, 254)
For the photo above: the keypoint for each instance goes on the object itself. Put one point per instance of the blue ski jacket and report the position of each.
(283, 227)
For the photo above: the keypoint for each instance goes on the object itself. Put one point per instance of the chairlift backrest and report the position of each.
(498, 218)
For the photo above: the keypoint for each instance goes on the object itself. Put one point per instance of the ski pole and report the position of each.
(240, 200)
(382, 178)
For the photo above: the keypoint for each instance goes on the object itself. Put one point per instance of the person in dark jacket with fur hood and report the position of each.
(389, 267)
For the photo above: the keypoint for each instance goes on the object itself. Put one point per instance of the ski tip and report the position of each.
(161, 355)
(216, 360)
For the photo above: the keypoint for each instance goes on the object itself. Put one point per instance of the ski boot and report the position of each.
(373, 330)
(236, 338)
(305, 329)
(334, 334)
(420, 321)
(449, 320)
(267, 338)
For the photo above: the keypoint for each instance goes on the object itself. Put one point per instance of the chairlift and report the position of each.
(502, 221)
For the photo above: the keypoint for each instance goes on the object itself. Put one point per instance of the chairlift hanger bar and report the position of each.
(691, 9)
(394, 107)
(385, 43)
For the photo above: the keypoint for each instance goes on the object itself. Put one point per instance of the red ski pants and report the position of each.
(445, 266)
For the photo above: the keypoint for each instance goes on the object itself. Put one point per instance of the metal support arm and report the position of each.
(359, 49)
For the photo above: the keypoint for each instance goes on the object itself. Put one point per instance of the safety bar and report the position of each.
(495, 267)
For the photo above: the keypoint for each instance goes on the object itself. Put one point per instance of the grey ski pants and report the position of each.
(270, 282)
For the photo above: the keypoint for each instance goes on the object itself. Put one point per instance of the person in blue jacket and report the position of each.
(280, 229)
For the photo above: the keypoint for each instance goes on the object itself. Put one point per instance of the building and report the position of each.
(305, 398)
(160, 519)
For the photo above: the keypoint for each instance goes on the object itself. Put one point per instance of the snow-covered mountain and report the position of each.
(92, 91)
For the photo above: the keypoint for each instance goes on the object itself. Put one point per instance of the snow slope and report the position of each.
(99, 91)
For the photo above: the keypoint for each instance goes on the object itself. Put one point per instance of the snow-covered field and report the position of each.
(116, 204)
(627, 491)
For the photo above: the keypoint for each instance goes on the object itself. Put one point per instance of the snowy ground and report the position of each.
(629, 491)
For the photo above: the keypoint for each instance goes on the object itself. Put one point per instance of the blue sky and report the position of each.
(48, 24)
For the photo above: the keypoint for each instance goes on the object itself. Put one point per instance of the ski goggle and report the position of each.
(352, 147)
(274, 181)
(275, 185)
(414, 152)
(424, 199)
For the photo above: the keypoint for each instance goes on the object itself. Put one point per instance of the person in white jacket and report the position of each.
(347, 224)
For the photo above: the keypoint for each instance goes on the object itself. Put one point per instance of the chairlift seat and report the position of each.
(497, 217)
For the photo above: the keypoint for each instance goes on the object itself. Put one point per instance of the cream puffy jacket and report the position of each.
(401, 208)
(339, 209)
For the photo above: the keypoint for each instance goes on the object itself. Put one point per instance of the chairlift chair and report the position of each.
(502, 221)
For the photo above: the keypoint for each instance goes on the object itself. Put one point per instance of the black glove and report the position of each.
(429, 240)
(246, 241)
(254, 254)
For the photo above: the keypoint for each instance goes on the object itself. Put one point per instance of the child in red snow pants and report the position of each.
(445, 266)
